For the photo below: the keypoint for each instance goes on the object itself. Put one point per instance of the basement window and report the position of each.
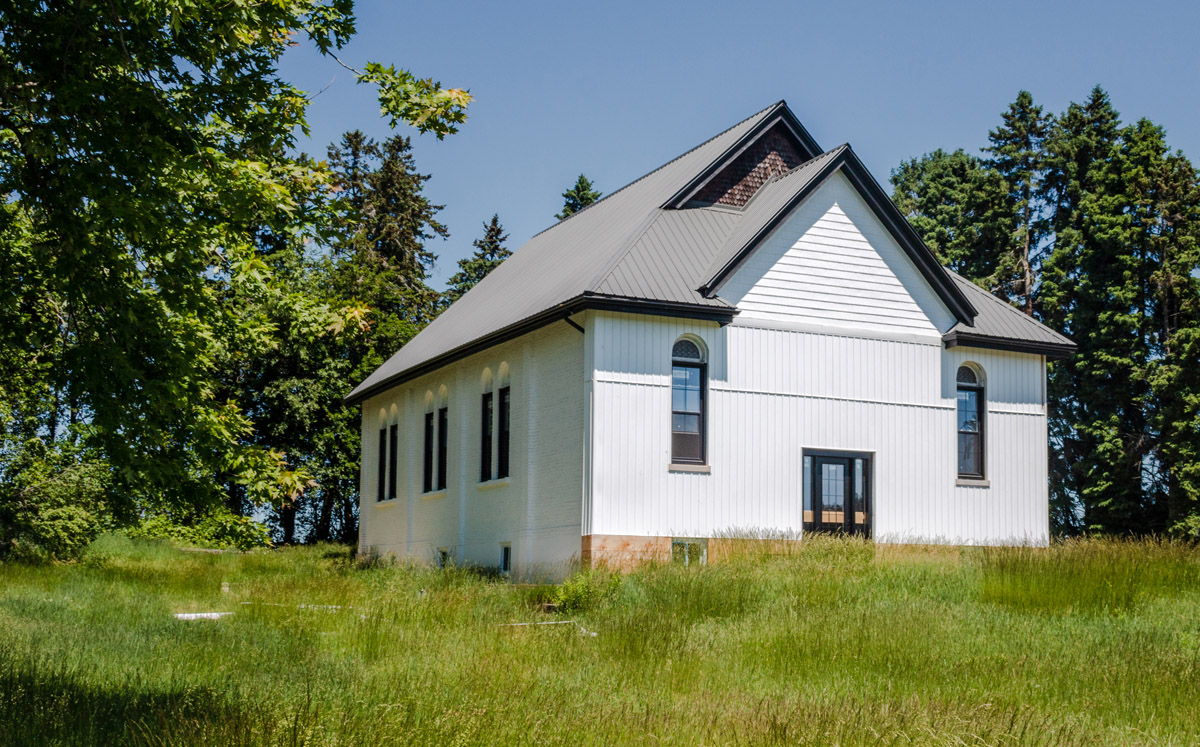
(505, 559)
(444, 558)
(687, 551)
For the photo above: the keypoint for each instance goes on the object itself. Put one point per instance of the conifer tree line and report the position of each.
(1092, 226)
(376, 259)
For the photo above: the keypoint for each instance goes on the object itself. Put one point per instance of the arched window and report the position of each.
(504, 422)
(688, 394)
(443, 436)
(486, 418)
(427, 454)
(970, 422)
(381, 491)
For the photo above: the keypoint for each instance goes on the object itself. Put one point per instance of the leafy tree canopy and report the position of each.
(144, 168)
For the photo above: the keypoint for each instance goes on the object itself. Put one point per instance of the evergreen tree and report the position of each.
(1100, 238)
(1091, 290)
(1173, 224)
(1016, 155)
(489, 253)
(958, 207)
(578, 197)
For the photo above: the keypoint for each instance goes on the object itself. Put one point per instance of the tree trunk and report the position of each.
(325, 519)
(287, 522)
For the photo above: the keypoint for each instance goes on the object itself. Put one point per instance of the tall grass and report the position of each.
(834, 641)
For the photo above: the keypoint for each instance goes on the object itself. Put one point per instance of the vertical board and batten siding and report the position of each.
(833, 263)
(774, 393)
(537, 509)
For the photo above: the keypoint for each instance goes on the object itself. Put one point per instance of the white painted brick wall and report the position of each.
(537, 509)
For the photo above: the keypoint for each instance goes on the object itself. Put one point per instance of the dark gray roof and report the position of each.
(1000, 325)
(577, 256)
(632, 247)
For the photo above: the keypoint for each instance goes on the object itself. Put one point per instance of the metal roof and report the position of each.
(1000, 325)
(633, 246)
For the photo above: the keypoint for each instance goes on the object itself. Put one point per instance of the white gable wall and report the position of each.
(833, 263)
(537, 509)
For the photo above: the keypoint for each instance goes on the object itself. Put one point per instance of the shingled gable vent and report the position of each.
(771, 155)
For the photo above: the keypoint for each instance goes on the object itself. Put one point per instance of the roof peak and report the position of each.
(781, 104)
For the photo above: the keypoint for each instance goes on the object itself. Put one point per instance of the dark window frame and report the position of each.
(381, 475)
(427, 463)
(703, 427)
(486, 414)
(393, 441)
(980, 433)
(505, 559)
(502, 433)
(443, 439)
(812, 486)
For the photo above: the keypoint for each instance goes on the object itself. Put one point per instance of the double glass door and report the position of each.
(837, 493)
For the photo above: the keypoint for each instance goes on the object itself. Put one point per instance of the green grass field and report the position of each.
(840, 642)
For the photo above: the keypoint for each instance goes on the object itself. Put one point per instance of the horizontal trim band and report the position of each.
(666, 384)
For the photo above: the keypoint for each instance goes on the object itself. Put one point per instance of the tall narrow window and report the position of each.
(381, 477)
(485, 438)
(970, 423)
(427, 485)
(502, 434)
(505, 559)
(393, 438)
(687, 403)
(443, 439)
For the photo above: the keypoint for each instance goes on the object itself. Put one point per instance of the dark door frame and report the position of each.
(848, 509)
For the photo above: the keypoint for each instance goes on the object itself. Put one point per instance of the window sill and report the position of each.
(970, 482)
(387, 502)
(499, 482)
(433, 496)
(702, 469)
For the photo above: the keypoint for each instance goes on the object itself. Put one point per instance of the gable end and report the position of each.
(847, 162)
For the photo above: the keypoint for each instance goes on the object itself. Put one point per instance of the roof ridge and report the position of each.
(686, 153)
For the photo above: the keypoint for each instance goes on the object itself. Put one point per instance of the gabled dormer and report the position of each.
(778, 144)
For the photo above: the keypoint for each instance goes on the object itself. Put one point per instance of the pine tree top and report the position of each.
(578, 197)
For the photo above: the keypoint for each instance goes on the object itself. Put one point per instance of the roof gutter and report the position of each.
(561, 311)
(1052, 350)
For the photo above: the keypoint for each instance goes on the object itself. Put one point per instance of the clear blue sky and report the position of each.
(614, 89)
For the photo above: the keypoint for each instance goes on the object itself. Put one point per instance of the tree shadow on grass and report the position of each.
(41, 706)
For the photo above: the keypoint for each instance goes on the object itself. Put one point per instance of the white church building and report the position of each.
(748, 339)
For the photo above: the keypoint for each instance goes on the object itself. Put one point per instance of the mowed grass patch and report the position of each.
(833, 641)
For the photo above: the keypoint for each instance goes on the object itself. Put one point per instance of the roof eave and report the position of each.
(585, 301)
(1052, 350)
